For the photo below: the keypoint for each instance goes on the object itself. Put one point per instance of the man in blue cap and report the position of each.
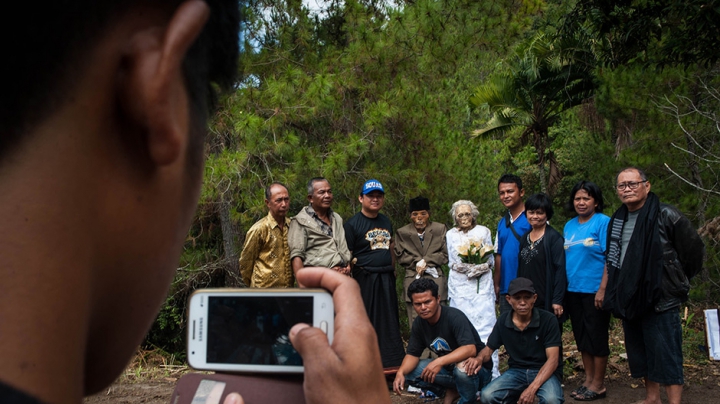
(369, 239)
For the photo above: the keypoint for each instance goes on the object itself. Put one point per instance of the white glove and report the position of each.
(478, 270)
(420, 268)
(432, 271)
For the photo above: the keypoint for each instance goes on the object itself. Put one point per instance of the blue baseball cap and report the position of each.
(372, 185)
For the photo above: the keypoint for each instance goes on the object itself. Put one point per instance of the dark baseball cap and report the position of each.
(518, 285)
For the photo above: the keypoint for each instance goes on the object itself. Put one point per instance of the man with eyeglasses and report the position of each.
(369, 238)
(653, 251)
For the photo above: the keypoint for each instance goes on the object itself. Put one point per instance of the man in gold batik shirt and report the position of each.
(265, 258)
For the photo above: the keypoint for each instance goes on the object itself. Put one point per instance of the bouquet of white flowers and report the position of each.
(475, 252)
(474, 255)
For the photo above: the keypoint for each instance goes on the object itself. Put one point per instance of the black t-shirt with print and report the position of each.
(452, 331)
(369, 240)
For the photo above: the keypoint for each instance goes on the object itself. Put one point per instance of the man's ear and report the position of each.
(152, 88)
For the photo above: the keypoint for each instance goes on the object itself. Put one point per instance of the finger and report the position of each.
(346, 292)
(351, 320)
(353, 331)
(312, 345)
(233, 398)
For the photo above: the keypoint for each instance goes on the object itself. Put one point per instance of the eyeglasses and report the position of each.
(631, 184)
(462, 215)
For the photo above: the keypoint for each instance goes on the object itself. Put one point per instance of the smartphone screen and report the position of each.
(247, 330)
(253, 330)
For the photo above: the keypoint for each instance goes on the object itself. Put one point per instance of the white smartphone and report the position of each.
(247, 330)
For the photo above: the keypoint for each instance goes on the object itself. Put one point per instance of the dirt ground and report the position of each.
(702, 386)
(150, 378)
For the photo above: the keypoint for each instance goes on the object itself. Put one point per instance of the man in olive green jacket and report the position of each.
(316, 236)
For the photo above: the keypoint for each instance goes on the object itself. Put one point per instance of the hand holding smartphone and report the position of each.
(247, 330)
(345, 370)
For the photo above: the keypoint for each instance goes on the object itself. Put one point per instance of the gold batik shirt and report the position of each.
(265, 258)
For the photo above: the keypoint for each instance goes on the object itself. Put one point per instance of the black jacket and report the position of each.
(664, 252)
(683, 254)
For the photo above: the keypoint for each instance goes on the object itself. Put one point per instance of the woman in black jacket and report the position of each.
(542, 256)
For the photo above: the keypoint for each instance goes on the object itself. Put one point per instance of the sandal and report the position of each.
(578, 391)
(589, 395)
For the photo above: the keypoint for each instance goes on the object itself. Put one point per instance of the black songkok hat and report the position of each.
(419, 203)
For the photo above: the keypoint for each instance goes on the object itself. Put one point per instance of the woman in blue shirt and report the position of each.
(585, 237)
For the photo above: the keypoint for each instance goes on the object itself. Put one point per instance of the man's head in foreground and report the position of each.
(102, 119)
(521, 296)
(425, 299)
(420, 213)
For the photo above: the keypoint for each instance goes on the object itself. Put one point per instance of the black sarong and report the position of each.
(380, 298)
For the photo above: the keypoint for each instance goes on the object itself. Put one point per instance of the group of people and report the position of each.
(101, 156)
(277, 248)
(539, 277)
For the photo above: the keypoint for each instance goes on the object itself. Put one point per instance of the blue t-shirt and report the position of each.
(509, 247)
(585, 253)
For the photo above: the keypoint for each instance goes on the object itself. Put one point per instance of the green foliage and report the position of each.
(542, 78)
(693, 332)
(368, 90)
(364, 91)
(650, 32)
(169, 329)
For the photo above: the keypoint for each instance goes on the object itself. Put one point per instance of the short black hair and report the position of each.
(422, 285)
(45, 47)
(510, 179)
(592, 189)
(630, 168)
(268, 189)
(311, 184)
(540, 201)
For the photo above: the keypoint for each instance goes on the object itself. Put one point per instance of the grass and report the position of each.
(157, 365)
(153, 365)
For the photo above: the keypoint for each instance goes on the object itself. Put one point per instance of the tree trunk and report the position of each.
(554, 175)
(229, 233)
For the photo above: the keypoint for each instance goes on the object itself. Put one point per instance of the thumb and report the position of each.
(310, 342)
(233, 398)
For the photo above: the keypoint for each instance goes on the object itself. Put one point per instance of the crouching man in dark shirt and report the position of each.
(448, 333)
(532, 339)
